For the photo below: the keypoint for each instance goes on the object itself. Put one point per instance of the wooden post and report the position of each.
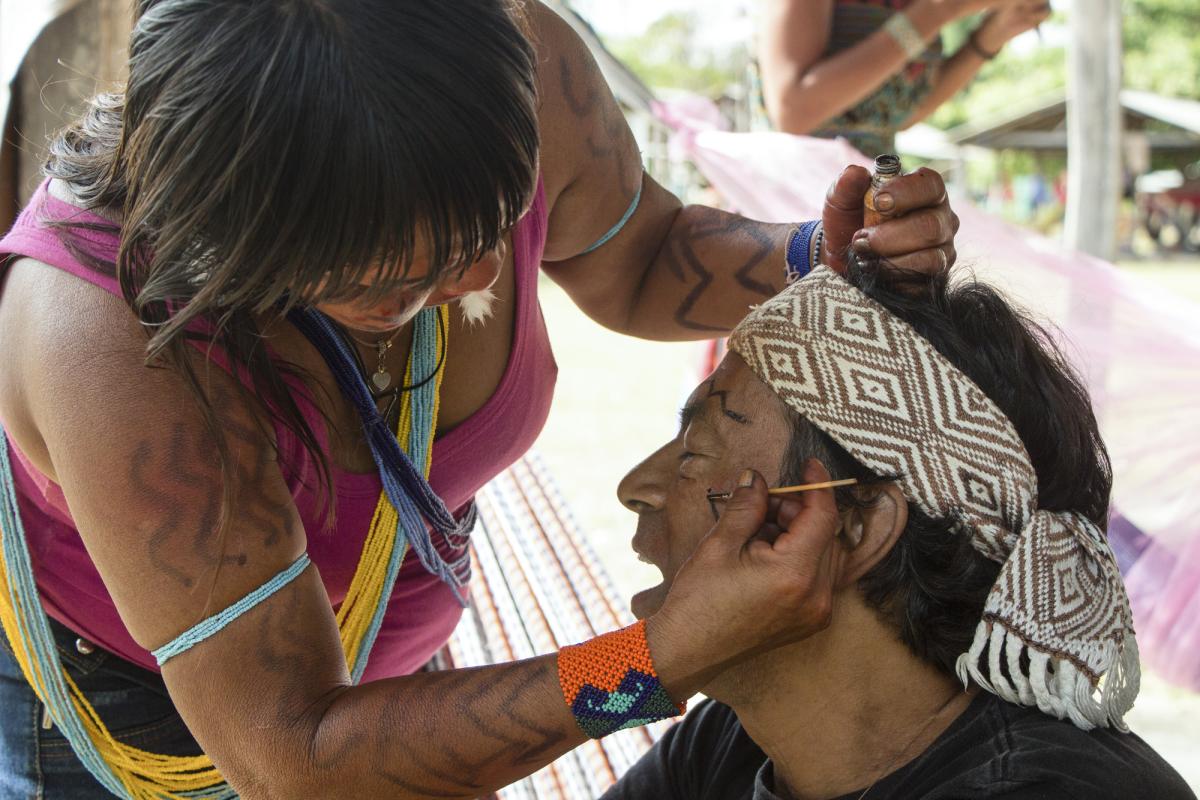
(61, 53)
(1094, 123)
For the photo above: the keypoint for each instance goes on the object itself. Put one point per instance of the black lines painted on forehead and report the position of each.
(696, 405)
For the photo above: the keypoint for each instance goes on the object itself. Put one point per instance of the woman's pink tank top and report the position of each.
(422, 612)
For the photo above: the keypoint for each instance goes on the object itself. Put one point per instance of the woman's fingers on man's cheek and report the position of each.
(789, 509)
(768, 533)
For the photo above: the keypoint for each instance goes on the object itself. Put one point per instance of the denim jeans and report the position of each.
(37, 762)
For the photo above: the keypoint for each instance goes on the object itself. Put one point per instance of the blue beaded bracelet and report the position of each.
(799, 259)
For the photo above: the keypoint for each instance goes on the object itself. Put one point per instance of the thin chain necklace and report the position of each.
(888, 769)
(381, 379)
(393, 395)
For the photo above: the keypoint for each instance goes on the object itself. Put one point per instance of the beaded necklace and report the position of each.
(406, 502)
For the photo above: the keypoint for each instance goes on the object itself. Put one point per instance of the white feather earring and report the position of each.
(477, 306)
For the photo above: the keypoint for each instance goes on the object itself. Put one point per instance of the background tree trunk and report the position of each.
(56, 53)
(1094, 123)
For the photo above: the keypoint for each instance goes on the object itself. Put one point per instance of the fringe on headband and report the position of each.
(1031, 676)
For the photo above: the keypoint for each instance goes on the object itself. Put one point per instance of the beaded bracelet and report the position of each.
(801, 247)
(610, 683)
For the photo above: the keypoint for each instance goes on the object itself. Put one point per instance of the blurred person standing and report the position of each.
(865, 69)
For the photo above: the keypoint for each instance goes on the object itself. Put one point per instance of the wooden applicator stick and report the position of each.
(806, 487)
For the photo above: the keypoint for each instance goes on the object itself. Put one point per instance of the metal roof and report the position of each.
(1177, 111)
(1169, 123)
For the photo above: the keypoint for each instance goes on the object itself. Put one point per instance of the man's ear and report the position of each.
(870, 532)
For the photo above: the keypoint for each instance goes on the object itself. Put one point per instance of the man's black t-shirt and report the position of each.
(993, 750)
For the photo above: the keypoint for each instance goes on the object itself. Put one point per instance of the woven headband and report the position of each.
(1058, 618)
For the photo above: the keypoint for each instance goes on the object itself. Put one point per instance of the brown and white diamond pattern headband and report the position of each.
(882, 392)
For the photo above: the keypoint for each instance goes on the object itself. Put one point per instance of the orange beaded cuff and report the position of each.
(610, 684)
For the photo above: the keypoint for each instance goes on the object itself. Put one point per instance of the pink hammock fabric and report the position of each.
(1138, 345)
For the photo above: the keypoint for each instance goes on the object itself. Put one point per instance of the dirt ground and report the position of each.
(617, 401)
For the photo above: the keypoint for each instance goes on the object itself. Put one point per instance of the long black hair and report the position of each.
(932, 585)
(269, 153)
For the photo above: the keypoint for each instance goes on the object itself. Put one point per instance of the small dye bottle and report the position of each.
(887, 167)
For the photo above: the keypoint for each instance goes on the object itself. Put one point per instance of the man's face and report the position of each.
(731, 422)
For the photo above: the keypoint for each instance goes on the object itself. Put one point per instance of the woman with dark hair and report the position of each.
(865, 69)
(235, 394)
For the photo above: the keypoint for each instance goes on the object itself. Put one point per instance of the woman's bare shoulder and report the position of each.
(65, 341)
(140, 466)
(75, 370)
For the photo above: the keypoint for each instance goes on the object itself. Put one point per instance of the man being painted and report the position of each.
(980, 642)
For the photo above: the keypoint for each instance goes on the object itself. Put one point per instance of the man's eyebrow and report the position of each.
(688, 413)
(693, 408)
(740, 419)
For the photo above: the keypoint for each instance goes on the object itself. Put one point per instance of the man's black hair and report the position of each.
(932, 585)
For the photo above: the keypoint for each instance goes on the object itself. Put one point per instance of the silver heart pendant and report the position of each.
(382, 380)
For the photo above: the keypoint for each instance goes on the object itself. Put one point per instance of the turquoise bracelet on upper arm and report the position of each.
(206, 628)
(615, 229)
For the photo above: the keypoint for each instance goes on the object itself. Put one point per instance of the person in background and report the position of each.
(865, 69)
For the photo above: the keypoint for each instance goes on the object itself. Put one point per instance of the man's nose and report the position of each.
(645, 487)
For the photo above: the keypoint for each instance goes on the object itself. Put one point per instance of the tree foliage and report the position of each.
(667, 56)
(1162, 46)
